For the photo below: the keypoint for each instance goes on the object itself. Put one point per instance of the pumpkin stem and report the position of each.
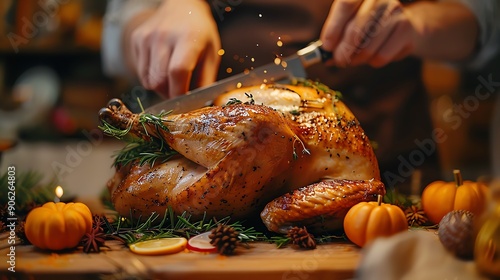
(379, 200)
(458, 177)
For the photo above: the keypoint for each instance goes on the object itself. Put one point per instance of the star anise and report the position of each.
(98, 222)
(302, 238)
(415, 216)
(93, 241)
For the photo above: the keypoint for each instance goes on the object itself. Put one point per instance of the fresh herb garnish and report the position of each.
(116, 132)
(317, 85)
(234, 101)
(146, 151)
(132, 231)
(156, 120)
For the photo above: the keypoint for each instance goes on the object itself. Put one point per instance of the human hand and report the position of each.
(167, 47)
(373, 32)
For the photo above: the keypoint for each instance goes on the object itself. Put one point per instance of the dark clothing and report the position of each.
(390, 102)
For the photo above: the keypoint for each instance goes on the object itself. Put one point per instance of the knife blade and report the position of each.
(289, 67)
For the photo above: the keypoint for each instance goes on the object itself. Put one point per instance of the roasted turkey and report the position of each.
(294, 153)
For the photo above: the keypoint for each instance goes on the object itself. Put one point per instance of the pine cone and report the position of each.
(300, 236)
(225, 238)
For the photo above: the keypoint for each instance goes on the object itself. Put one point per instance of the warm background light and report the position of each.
(59, 191)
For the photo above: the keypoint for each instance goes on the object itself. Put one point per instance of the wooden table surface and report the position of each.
(260, 261)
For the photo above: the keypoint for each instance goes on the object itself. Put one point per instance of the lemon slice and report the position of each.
(159, 246)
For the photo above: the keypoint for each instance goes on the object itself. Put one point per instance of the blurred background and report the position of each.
(52, 87)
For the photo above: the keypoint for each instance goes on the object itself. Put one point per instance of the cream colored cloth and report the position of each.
(413, 255)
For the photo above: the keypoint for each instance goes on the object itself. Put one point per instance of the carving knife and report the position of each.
(289, 68)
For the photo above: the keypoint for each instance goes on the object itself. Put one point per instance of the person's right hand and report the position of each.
(377, 32)
(373, 32)
(167, 47)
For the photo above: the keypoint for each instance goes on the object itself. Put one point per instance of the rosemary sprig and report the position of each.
(156, 120)
(393, 196)
(131, 231)
(113, 131)
(329, 238)
(234, 101)
(145, 152)
(280, 240)
(319, 86)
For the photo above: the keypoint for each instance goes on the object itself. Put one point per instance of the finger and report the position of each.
(158, 68)
(395, 48)
(373, 24)
(206, 72)
(353, 34)
(141, 58)
(384, 20)
(340, 14)
(180, 69)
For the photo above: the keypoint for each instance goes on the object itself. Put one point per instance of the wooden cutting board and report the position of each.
(259, 261)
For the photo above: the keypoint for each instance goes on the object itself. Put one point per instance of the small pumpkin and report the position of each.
(57, 226)
(366, 221)
(440, 197)
(487, 246)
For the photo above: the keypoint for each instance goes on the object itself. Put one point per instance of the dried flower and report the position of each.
(415, 216)
(93, 241)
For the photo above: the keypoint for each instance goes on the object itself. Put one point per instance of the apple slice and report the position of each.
(201, 243)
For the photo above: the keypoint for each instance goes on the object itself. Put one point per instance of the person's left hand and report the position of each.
(373, 32)
(168, 47)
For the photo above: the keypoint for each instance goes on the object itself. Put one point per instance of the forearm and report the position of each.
(443, 30)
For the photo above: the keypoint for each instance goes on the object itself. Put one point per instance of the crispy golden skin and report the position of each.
(319, 207)
(235, 159)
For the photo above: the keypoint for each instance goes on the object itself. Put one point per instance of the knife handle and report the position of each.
(313, 54)
(325, 55)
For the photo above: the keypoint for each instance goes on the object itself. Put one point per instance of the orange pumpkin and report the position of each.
(439, 197)
(57, 226)
(367, 221)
